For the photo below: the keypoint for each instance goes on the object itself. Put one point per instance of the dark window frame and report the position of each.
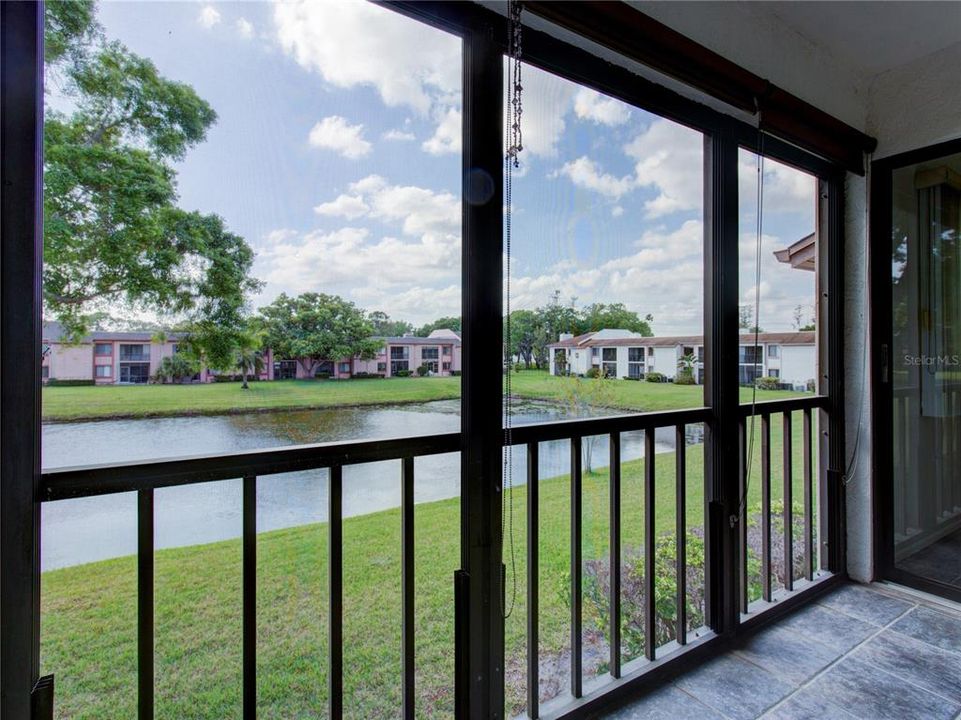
(881, 362)
(480, 638)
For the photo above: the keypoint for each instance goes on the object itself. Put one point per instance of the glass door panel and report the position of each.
(926, 369)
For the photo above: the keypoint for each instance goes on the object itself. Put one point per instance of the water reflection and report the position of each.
(88, 529)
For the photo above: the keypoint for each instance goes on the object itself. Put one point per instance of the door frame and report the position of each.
(882, 399)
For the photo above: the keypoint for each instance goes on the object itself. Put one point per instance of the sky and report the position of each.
(336, 154)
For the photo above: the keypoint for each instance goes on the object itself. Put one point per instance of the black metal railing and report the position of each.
(764, 411)
(260, 466)
(254, 467)
(575, 431)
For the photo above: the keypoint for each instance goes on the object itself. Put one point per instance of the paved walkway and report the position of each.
(863, 651)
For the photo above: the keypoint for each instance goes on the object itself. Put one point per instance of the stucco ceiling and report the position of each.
(872, 36)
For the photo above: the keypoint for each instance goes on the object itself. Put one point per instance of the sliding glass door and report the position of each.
(923, 498)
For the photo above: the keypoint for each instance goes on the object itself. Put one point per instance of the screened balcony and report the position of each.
(734, 552)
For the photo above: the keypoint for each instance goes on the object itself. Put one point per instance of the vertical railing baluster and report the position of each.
(649, 609)
(680, 518)
(335, 570)
(766, 506)
(808, 498)
(614, 503)
(788, 496)
(533, 570)
(250, 598)
(576, 517)
(407, 581)
(744, 585)
(145, 603)
(808, 481)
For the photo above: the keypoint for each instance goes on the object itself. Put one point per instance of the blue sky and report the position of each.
(337, 156)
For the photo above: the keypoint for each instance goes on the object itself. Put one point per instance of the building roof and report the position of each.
(768, 338)
(54, 332)
(416, 340)
(573, 341)
(801, 254)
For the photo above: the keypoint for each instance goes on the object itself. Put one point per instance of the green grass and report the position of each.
(134, 401)
(89, 611)
(115, 401)
(631, 394)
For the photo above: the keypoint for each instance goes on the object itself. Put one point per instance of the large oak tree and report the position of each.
(314, 328)
(114, 236)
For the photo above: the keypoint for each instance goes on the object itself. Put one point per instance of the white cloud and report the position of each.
(418, 210)
(399, 136)
(591, 105)
(447, 136)
(335, 133)
(412, 271)
(617, 211)
(663, 275)
(346, 206)
(786, 190)
(352, 43)
(669, 158)
(244, 28)
(587, 174)
(209, 16)
(280, 235)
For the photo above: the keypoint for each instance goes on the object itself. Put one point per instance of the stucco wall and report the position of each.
(916, 104)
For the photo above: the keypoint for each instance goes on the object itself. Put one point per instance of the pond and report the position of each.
(89, 529)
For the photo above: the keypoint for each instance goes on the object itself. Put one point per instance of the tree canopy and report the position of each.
(452, 322)
(383, 326)
(531, 331)
(114, 236)
(314, 327)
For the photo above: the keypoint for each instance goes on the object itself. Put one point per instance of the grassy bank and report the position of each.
(89, 611)
(135, 401)
(115, 401)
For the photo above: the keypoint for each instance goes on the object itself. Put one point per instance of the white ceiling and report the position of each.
(872, 36)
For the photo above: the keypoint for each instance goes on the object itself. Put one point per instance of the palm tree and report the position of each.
(249, 356)
(686, 364)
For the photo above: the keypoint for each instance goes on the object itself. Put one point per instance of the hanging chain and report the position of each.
(514, 145)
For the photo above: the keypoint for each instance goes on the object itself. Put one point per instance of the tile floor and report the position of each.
(863, 651)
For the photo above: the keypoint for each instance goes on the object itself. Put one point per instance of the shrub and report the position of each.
(593, 373)
(655, 377)
(402, 373)
(768, 383)
(69, 383)
(321, 375)
(455, 373)
(684, 377)
(367, 375)
(423, 370)
(176, 368)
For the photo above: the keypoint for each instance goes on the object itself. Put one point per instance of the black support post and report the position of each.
(481, 647)
(721, 392)
(21, 222)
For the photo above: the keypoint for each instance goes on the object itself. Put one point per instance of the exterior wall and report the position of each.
(665, 361)
(70, 362)
(798, 363)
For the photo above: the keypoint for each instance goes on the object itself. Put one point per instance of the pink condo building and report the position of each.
(132, 358)
(440, 352)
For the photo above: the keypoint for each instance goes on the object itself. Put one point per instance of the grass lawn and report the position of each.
(632, 395)
(132, 401)
(105, 401)
(89, 611)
